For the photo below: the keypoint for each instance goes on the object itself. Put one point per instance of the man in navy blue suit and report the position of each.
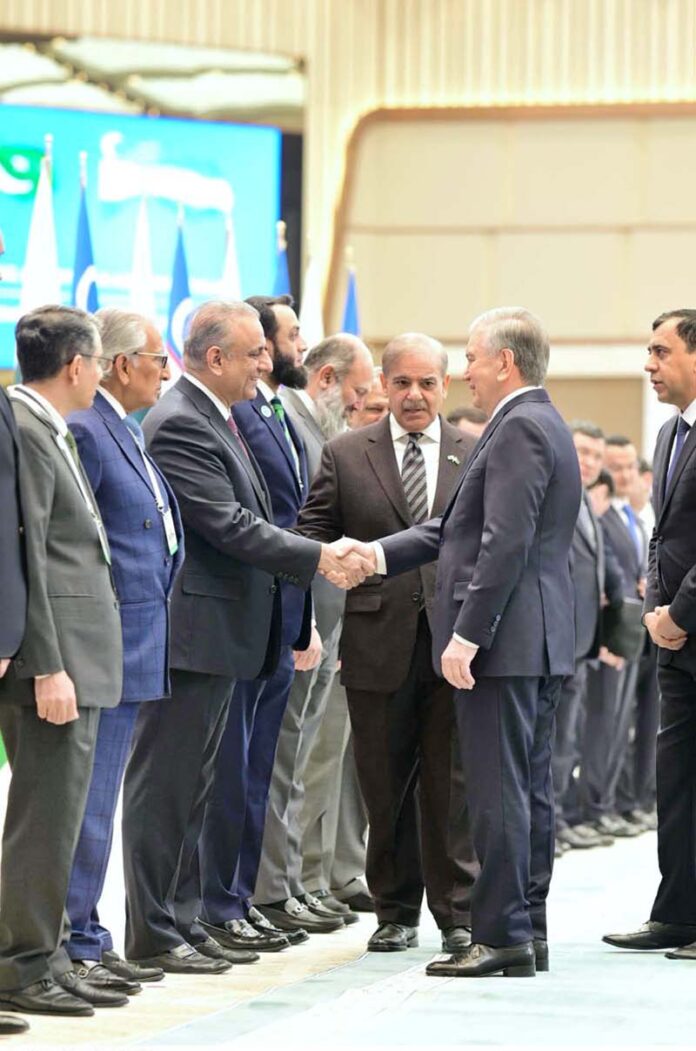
(142, 522)
(230, 846)
(503, 633)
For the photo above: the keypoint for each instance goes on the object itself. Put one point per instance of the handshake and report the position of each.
(346, 563)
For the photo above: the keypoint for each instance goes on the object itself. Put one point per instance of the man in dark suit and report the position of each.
(226, 625)
(68, 667)
(502, 634)
(670, 617)
(145, 535)
(597, 581)
(373, 482)
(230, 847)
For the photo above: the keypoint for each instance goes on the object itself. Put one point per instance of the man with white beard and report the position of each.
(339, 376)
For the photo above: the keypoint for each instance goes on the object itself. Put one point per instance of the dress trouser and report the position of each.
(165, 791)
(505, 731)
(88, 938)
(233, 829)
(676, 798)
(403, 752)
(636, 787)
(51, 768)
(566, 746)
(609, 706)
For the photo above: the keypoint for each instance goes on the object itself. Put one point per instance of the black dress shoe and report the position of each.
(185, 960)
(686, 952)
(261, 923)
(9, 1025)
(44, 997)
(393, 937)
(325, 898)
(239, 934)
(358, 902)
(100, 977)
(653, 935)
(576, 840)
(214, 951)
(132, 971)
(613, 825)
(95, 996)
(541, 954)
(456, 939)
(512, 961)
(293, 913)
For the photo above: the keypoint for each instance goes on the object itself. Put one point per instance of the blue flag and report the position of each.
(84, 287)
(180, 304)
(281, 281)
(351, 316)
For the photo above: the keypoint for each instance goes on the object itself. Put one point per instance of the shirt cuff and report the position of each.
(465, 642)
(380, 558)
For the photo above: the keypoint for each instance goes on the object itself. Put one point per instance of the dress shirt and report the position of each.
(429, 446)
(30, 395)
(509, 397)
(689, 416)
(223, 409)
(113, 402)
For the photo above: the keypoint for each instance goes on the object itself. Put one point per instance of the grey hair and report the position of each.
(586, 427)
(121, 331)
(516, 329)
(417, 341)
(210, 327)
(338, 350)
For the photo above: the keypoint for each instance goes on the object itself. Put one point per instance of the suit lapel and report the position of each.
(685, 455)
(380, 453)
(275, 429)
(449, 469)
(122, 436)
(664, 444)
(302, 411)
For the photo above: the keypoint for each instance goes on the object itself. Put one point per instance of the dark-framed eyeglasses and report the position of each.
(161, 359)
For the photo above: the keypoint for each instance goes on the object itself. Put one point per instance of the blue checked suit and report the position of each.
(144, 572)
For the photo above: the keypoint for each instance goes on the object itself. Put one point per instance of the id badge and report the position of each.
(170, 531)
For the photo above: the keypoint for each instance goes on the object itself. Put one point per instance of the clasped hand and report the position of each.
(662, 629)
(346, 563)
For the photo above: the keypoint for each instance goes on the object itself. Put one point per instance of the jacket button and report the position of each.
(273, 588)
(416, 596)
(21, 530)
(147, 523)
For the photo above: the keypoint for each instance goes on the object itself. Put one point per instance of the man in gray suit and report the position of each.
(339, 377)
(67, 668)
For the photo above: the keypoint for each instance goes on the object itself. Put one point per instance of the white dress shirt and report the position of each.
(223, 409)
(429, 446)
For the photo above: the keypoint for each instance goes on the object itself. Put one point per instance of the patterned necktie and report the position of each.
(413, 478)
(232, 424)
(683, 429)
(136, 430)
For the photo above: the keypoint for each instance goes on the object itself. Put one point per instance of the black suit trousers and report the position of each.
(414, 796)
(505, 732)
(566, 747)
(676, 798)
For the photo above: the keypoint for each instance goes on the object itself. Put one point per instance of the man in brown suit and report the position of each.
(372, 482)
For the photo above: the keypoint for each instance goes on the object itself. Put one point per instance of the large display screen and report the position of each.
(200, 170)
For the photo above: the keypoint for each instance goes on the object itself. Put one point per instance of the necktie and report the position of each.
(279, 410)
(232, 424)
(413, 478)
(72, 446)
(136, 430)
(683, 429)
(634, 529)
(586, 524)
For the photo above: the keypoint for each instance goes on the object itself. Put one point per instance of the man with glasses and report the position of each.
(68, 667)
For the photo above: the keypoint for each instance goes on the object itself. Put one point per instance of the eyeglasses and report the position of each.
(162, 359)
(102, 364)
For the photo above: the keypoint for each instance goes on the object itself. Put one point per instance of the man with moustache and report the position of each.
(373, 482)
(338, 377)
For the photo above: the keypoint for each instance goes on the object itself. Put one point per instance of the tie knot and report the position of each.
(136, 430)
(278, 408)
(414, 437)
(683, 427)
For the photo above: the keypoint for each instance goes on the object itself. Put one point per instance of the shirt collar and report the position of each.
(432, 431)
(619, 504)
(223, 409)
(689, 413)
(264, 388)
(509, 397)
(113, 402)
(29, 395)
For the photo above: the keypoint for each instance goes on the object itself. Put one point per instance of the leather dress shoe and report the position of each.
(292, 913)
(260, 923)
(323, 904)
(127, 969)
(588, 832)
(393, 937)
(512, 961)
(560, 849)
(214, 951)
(541, 954)
(359, 901)
(100, 977)
(185, 960)
(456, 939)
(578, 841)
(44, 997)
(9, 1025)
(653, 935)
(646, 822)
(613, 825)
(97, 997)
(239, 934)
(685, 952)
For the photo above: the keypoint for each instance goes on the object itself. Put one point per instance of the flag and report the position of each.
(311, 316)
(351, 316)
(180, 304)
(230, 286)
(84, 287)
(281, 282)
(41, 277)
(142, 290)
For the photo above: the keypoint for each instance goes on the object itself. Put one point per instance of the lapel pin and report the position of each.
(453, 459)
(266, 411)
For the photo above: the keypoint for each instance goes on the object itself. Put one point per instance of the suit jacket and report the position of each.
(358, 493)
(595, 571)
(73, 622)
(226, 612)
(329, 601)
(503, 577)
(672, 556)
(142, 567)
(633, 566)
(13, 582)
(264, 435)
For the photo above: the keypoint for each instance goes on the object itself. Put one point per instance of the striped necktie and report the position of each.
(413, 478)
